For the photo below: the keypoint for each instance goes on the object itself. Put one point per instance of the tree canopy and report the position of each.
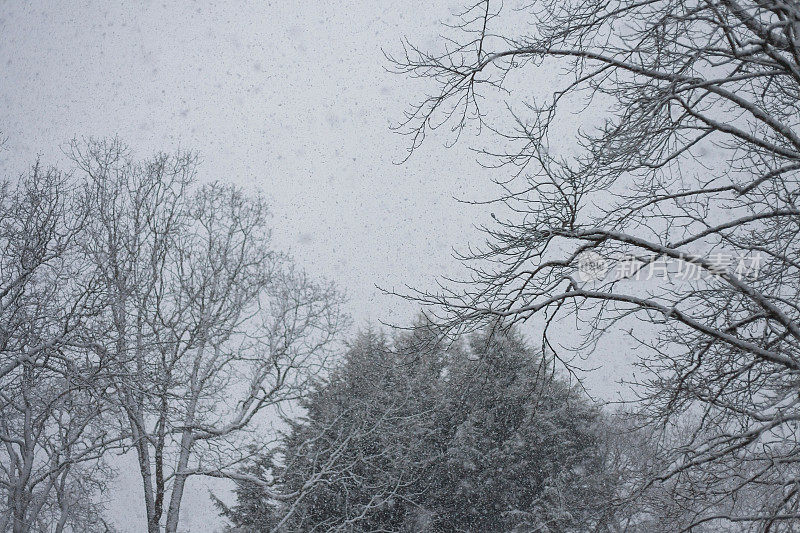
(665, 208)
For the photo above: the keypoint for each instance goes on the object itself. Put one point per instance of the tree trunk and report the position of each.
(173, 514)
(187, 440)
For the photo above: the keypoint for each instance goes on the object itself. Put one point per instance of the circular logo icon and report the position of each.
(591, 266)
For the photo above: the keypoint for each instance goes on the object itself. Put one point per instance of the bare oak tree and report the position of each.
(695, 162)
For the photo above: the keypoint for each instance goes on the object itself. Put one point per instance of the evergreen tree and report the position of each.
(407, 436)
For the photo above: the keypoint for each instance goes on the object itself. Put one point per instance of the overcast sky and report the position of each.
(289, 98)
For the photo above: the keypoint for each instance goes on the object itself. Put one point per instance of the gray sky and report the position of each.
(288, 98)
(291, 99)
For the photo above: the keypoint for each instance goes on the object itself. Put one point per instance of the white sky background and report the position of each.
(292, 99)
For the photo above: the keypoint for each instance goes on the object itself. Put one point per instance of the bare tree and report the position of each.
(51, 400)
(691, 174)
(207, 325)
